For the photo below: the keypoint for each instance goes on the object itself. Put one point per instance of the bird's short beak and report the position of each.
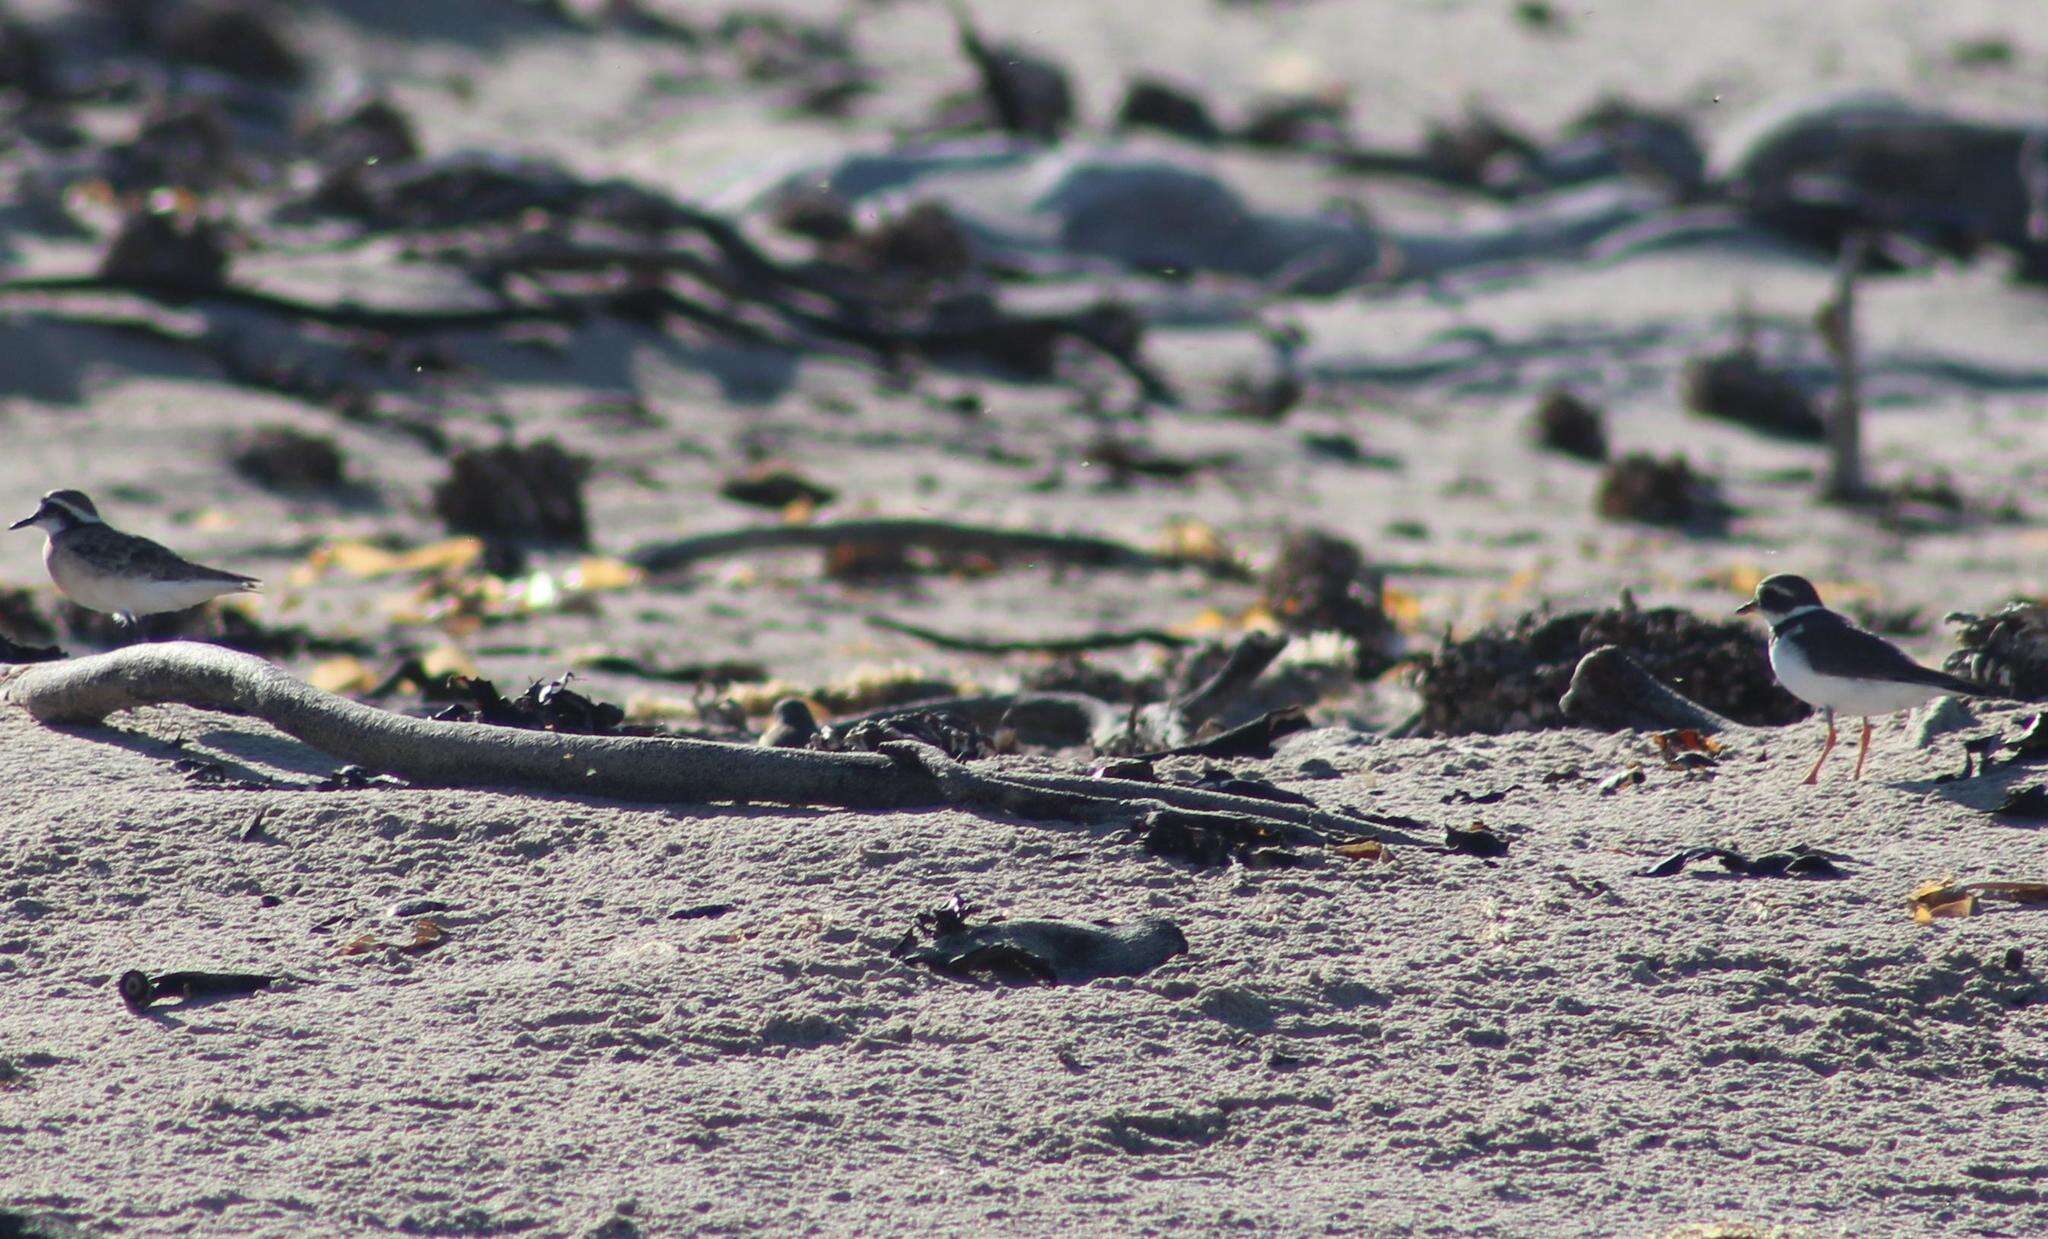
(1746, 607)
(26, 521)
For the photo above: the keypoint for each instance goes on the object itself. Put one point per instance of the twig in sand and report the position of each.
(1029, 645)
(928, 534)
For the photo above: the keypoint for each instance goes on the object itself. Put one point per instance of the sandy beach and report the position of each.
(693, 1016)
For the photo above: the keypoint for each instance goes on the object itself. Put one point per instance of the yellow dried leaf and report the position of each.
(1260, 617)
(1193, 541)
(1208, 623)
(595, 572)
(1370, 850)
(1402, 607)
(361, 946)
(346, 674)
(447, 659)
(1519, 585)
(426, 935)
(799, 512)
(363, 560)
(1941, 899)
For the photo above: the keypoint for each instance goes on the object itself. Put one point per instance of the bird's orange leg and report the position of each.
(1813, 775)
(1863, 752)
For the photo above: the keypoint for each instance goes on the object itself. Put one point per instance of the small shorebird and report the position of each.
(1831, 664)
(100, 568)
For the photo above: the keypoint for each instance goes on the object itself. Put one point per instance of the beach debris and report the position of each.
(942, 543)
(1949, 898)
(1640, 487)
(1369, 851)
(814, 212)
(951, 732)
(27, 62)
(1569, 423)
(1797, 861)
(1321, 582)
(243, 39)
(12, 651)
(1980, 752)
(1514, 678)
(353, 778)
(1480, 150)
(140, 990)
(2028, 804)
(1738, 386)
(1844, 481)
(1027, 93)
(1478, 841)
(702, 912)
(923, 243)
(1213, 840)
(793, 726)
(512, 493)
(1045, 952)
(1253, 739)
(777, 486)
(1632, 776)
(368, 131)
(1612, 690)
(1155, 103)
(180, 253)
(2006, 649)
(546, 705)
(665, 769)
(1083, 643)
(1687, 748)
(426, 935)
(1873, 165)
(285, 459)
(1461, 796)
(1312, 121)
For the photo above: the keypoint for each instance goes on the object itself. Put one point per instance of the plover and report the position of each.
(1832, 665)
(100, 568)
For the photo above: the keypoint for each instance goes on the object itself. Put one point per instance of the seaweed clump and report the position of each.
(1322, 583)
(1510, 679)
(1639, 487)
(2006, 650)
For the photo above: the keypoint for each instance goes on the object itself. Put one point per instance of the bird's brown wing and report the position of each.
(131, 555)
(1834, 646)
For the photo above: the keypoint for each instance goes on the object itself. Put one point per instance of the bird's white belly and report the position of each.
(1853, 698)
(102, 591)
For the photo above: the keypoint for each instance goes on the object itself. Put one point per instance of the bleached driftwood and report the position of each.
(451, 754)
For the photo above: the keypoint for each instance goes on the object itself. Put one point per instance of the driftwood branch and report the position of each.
(1837, 323)
(928, 534)
(450, 754)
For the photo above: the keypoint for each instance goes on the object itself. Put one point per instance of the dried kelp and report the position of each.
(1038, 952)
(1511, 678)
(2007, 649)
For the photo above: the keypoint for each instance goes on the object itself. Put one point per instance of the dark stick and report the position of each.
(1041, 645)
(1837, 323)
(907, 532)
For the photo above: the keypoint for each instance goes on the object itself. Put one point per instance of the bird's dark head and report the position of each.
(61, 510)
(1781, 596)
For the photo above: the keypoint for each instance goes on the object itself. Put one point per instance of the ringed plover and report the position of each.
(1832, 665)
(100, 568)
